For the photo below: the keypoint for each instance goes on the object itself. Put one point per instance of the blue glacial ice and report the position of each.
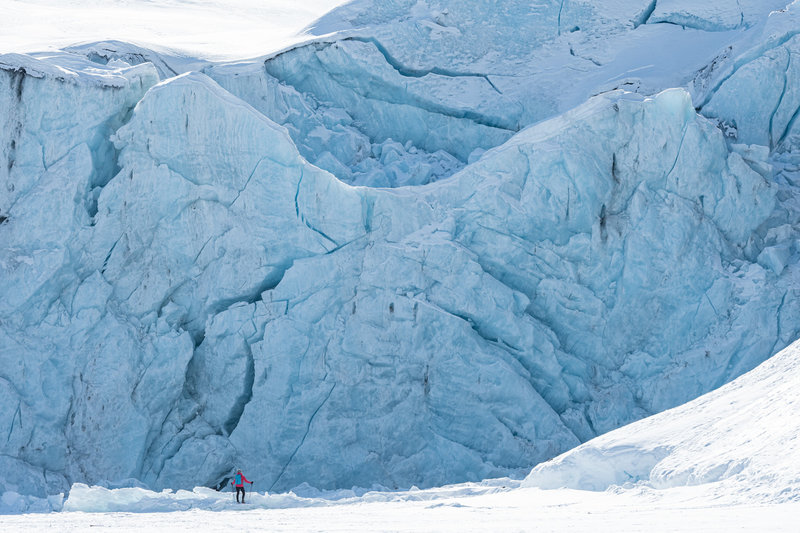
(346, 265)
(772, 69)
(740, 440)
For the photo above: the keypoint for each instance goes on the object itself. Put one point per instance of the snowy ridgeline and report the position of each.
(185, 287)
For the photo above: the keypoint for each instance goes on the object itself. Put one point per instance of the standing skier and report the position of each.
(238, 481)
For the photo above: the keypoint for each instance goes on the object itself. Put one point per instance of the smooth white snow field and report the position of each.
(218, 29)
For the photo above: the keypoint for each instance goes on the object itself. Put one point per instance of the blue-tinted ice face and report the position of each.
(349, 111)
(184, 288)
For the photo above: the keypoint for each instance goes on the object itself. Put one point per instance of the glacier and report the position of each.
(400, 253)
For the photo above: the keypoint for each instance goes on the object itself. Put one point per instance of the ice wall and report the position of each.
(491, 288)
(366, 120)
(185, 290)
(57, 341)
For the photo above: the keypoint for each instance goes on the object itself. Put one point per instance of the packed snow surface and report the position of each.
(456, 509)
(427, 243)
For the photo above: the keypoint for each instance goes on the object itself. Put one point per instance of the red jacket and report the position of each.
(243, 481)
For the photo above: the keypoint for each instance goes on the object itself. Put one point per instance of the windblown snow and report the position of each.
(432, 243)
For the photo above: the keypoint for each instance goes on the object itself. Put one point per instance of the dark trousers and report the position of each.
(238, 490)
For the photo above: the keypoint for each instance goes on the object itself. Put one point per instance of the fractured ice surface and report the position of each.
(378, 142)
(760, 96)
(743, 438)
(185, 290)
(716, 16)
(408, 92)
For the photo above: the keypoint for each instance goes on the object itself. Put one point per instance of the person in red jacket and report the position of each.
(238, 481)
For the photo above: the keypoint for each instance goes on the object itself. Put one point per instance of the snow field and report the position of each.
(447, 509)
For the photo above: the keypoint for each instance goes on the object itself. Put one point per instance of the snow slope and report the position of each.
(742, 439)
(218, 29)
(187, 286)
(725, 460)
